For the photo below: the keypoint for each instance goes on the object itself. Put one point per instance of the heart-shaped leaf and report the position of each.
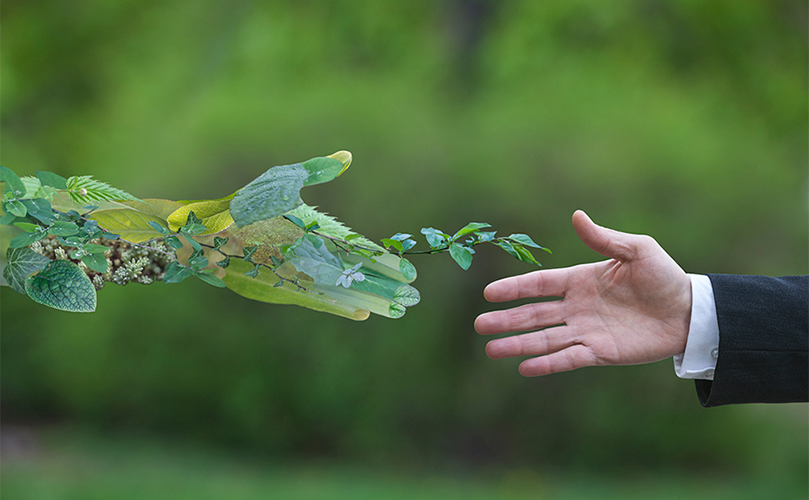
(64, 286)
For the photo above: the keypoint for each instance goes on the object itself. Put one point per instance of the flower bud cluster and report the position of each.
(126, 262)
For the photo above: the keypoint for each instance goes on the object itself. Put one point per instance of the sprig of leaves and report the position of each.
(461, 249)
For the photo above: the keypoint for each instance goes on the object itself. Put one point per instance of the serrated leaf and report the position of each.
(64, 286)
(132, 225)
(35, 189)
(96, 261)
(277, 190)
(469, 228)
(84, 188)
(407, 269)
(224, 262)
(461, 255)
(22, 262)
(14, 184)
(52, 180)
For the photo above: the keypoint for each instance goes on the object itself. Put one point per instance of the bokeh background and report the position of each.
(684, 120)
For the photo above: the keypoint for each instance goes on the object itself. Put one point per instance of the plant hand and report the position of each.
(633, 308)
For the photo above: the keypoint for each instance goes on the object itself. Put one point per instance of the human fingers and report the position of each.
(608, 242)
(537, 343)
(546, 283)
(525, 317)
(571, 358)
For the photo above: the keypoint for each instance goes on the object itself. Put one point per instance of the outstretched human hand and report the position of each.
(633, 308)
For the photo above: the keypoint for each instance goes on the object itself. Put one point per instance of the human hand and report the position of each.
(633, 308)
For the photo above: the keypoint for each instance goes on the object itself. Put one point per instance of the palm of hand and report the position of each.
(634, 308)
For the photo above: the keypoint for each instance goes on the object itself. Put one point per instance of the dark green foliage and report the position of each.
(62, 285)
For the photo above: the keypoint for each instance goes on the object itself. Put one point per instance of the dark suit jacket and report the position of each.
(763, 341)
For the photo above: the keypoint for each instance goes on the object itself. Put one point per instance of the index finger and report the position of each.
(545, 283)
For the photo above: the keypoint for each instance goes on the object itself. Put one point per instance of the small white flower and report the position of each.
(350, 276)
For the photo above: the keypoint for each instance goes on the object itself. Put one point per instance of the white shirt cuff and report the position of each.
(702, 347)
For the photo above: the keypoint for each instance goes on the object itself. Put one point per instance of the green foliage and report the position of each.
(304, 250)
(62, 285)
(22, 263)
(277, 190)
(85, 189)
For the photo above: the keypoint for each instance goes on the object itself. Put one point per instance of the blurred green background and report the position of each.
(684, 120)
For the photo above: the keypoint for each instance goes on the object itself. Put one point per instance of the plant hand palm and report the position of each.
(634, 308)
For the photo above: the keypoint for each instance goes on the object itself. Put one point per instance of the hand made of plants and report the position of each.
(262, 242)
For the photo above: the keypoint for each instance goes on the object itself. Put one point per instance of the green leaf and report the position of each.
(322, 169)
(176, 272)
(277, 190)
(524, 255)
(407, 269)
(248, 253)
(198, 263)
(407, 296)
(174, 242)
(40, 209)
(157, 227)
(253, 272)
(469, 228)
(96, 261)
(25, 239)
(22, 263)
(85, 189)
(435, 238)
(52, 180)
(389, 242)
(35, 189)
(524, 239)
(319, 263)
(16, 208)
(194, 243)
(267, 287)
(28, 227)
(461, 254)
(213, 214)
(93, 248)
(219, 242)
(208, 277)
(60, 228)
(505, 245)
(485, 236)
(64, 286)
(295, 220)
(14, 184)
(132, 225)
(224, 262)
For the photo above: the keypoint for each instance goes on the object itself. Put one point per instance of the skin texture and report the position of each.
(633, 308)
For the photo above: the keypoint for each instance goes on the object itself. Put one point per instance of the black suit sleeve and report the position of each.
(763, 341)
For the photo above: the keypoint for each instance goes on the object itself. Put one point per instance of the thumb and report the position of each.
(607, 242)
